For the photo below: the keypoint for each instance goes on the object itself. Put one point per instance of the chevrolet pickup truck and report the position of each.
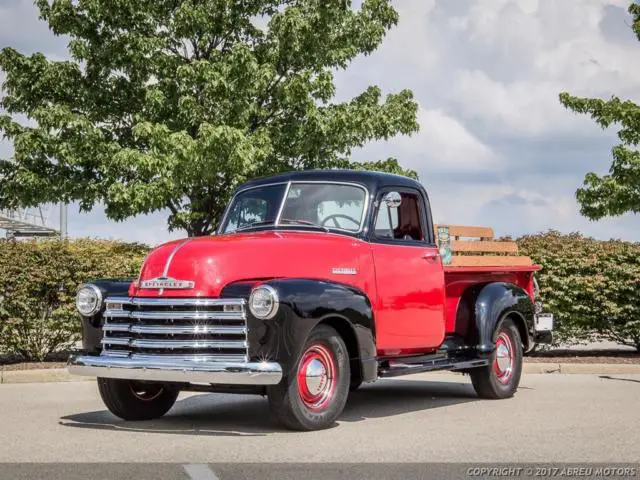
(314, 283)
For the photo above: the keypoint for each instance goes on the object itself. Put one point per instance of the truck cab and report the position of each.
(314, 283)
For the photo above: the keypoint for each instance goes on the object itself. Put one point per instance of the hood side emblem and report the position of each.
(344, 271)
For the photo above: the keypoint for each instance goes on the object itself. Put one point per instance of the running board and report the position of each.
(397, 368)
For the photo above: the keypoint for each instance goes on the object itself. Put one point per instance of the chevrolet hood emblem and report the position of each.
(167, 283)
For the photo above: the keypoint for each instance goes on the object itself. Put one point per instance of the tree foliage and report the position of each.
(169, 104)
(619, 191)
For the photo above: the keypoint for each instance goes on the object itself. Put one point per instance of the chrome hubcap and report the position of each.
(503, 357)
(316, 376)
(503, 362)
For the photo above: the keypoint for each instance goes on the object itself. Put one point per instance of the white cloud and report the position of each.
(447, 144)
(538, 50)
(495, 146)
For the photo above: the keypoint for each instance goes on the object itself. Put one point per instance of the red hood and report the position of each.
(215, 261)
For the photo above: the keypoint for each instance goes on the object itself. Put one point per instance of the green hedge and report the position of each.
(38, 283)
(593, 287)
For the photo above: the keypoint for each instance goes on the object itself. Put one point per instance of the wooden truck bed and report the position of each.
(475, 249)
(479, 258)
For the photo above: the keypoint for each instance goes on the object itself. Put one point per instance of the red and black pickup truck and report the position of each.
(314, 283)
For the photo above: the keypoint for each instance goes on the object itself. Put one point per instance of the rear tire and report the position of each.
(131, 400)
(500, 379)
(315, 395)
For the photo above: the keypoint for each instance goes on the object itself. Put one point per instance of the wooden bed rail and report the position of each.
(475, 247)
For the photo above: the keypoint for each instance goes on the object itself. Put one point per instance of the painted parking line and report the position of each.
(200, 471)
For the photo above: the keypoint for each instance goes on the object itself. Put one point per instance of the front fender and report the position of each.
(304, 303)
(494, 302)
(92, 326)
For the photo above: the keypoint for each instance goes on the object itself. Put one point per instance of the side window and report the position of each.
(401, 222)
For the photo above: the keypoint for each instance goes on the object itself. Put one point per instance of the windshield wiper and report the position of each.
(284, 222)
(254, 224)
(303, 223)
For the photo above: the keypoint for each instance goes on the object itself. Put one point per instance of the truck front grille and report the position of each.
(207, 329)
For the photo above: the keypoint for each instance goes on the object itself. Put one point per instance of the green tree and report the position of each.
(619, 191)
(172, 103)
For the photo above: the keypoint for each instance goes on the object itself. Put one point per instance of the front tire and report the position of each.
(314, 396)
(131, 400)
(500, 379)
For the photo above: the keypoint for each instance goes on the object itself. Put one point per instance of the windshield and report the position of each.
(321, 205)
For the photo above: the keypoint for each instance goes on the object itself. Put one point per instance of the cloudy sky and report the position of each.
(495, 146)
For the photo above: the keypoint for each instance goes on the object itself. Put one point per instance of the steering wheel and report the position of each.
(335, 217)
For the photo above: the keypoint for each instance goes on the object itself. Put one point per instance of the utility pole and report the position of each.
(63, 220)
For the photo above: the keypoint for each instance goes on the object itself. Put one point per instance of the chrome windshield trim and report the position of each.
(365, 203)
(284, 199)
(363, 217)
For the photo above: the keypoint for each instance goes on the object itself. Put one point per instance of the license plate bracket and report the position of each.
(543, 322)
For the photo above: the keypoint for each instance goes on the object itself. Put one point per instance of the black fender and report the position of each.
(305, 303)
(494, 302)
(92, 326)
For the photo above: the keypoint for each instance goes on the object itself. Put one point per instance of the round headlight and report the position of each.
(263, 302)
(88, 300)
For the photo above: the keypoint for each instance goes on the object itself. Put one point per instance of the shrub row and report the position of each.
(593, 287)
(38, 283)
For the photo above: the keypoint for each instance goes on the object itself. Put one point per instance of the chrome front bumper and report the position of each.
(177, 370)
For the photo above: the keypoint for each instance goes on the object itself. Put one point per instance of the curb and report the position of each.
(581, 368)
(62, 375)
(40, 376)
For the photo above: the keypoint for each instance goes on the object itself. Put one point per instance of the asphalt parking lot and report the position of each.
(423, 418)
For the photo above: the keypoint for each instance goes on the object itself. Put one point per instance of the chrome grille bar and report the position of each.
(187, 329)
(175, 315)
(175, 302)
(169, 344)
(214, 329)
(194, 357)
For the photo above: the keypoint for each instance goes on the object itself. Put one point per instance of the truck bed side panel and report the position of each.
(457, 281)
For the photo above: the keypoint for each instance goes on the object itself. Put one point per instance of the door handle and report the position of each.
(430, 255)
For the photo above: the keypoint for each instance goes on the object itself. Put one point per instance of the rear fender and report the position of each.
(496, 301)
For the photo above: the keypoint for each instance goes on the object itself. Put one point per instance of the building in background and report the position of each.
(43, 221)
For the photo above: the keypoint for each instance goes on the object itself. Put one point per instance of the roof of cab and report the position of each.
(370, 179)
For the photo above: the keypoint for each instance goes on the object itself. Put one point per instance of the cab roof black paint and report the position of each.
(370, 179)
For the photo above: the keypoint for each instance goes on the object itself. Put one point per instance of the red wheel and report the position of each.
(500, 379)
(317, 377)
(314, 395)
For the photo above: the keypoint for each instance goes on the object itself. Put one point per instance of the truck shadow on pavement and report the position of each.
(213, 414)
(608, 377)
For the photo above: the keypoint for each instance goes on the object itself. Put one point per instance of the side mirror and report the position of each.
(392, 199)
